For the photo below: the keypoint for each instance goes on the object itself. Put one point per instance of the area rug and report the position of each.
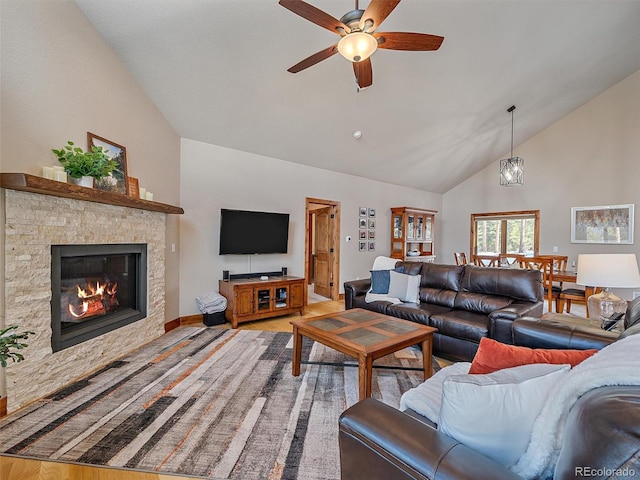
(208, 402)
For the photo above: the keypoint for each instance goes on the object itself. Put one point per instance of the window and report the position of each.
(505, 233)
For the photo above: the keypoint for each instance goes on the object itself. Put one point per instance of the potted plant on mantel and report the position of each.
(81, 166)
(10, 341)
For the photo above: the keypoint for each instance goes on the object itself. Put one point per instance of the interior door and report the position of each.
(322, 280)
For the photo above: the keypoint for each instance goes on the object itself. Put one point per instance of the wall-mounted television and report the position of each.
(244, 232)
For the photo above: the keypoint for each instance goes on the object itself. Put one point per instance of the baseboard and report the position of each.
(191, 319)
(3, 407)
(171, 325)
(188, 320)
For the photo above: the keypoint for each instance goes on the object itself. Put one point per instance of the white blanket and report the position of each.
(382, 263)
(211, 302)
(616, 364)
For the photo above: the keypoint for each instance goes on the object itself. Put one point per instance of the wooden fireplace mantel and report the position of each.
(44, 186)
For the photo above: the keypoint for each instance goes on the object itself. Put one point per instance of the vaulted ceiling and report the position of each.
(217, 70)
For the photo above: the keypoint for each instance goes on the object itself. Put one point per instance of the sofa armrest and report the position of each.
(354, 288)
(538, 333)
(500, 321)
(380, 442)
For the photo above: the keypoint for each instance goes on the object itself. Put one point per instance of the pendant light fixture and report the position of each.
(512, 168)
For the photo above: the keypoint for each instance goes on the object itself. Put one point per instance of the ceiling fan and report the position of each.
(358, 40)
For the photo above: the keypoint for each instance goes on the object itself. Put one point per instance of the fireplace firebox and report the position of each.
(96, 289)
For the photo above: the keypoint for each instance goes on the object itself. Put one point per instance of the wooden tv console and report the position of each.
(251, 299)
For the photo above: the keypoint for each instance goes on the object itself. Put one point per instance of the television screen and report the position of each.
(247, 233)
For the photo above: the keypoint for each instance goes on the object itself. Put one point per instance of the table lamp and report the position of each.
(607, 270)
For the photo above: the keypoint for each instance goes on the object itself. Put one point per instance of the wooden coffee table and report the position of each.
(364, 335)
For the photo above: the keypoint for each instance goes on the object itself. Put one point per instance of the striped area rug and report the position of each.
(210, 403)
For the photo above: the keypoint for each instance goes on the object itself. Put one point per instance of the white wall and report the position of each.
(214, 177)
(590, 157)
(61, 80)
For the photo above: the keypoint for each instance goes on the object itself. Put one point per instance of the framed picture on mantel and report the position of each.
(611, 224)
(117, 181)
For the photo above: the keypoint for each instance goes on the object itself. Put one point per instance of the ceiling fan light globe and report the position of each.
(357, 46)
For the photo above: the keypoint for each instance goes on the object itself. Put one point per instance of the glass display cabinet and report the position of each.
(412, 234)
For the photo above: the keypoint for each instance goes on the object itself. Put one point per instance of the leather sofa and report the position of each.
(601, 438)
(465, 303)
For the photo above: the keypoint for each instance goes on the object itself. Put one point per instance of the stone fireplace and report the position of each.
(35, 226)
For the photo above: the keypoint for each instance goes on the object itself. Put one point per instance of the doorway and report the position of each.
(322, 247)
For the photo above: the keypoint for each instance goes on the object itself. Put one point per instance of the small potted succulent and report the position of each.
(81, 166)
(10, 341)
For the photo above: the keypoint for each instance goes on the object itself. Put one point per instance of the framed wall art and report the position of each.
(610, 224)
(117, 181)
(363, 211)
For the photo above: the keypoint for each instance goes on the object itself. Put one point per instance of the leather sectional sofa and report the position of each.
(601, 436)
(465, 303)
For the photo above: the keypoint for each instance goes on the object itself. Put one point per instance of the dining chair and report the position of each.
(460, 257)
(545, 266)
(511, 259)
(575, 295)
(558, 264)
(559, 261)
(486, 260)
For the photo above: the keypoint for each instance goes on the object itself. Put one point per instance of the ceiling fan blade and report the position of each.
(315, 15)
(364, 73)
(408, 41)
(313, 59)
(376, 12)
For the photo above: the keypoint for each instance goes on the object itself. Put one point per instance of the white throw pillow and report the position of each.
(426, 398)
(405, 287)
(494, 413)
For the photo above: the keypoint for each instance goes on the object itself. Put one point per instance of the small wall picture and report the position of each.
(372, 212)
(372, 223)
(363, 223)
(363, 234)
(372, 234)
(363, 246)
(117, 180)
(372, 246)
(363, 211)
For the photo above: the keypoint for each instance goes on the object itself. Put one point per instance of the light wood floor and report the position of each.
(15, 468)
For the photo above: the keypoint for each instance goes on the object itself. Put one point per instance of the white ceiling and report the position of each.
(217, 69)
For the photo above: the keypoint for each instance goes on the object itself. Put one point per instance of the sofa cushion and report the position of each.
(441, 277)
(410, 268)
(492, 356)
(404, 287)
(461, 324)
(415, 312)
(482, 410)
(438, 296)
(521, 284)
(481, 302)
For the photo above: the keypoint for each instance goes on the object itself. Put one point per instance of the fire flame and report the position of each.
(95, 301)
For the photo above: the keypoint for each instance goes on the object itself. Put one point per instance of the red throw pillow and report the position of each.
(493, 355)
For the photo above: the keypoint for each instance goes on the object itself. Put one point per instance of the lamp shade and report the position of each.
(612, 270)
